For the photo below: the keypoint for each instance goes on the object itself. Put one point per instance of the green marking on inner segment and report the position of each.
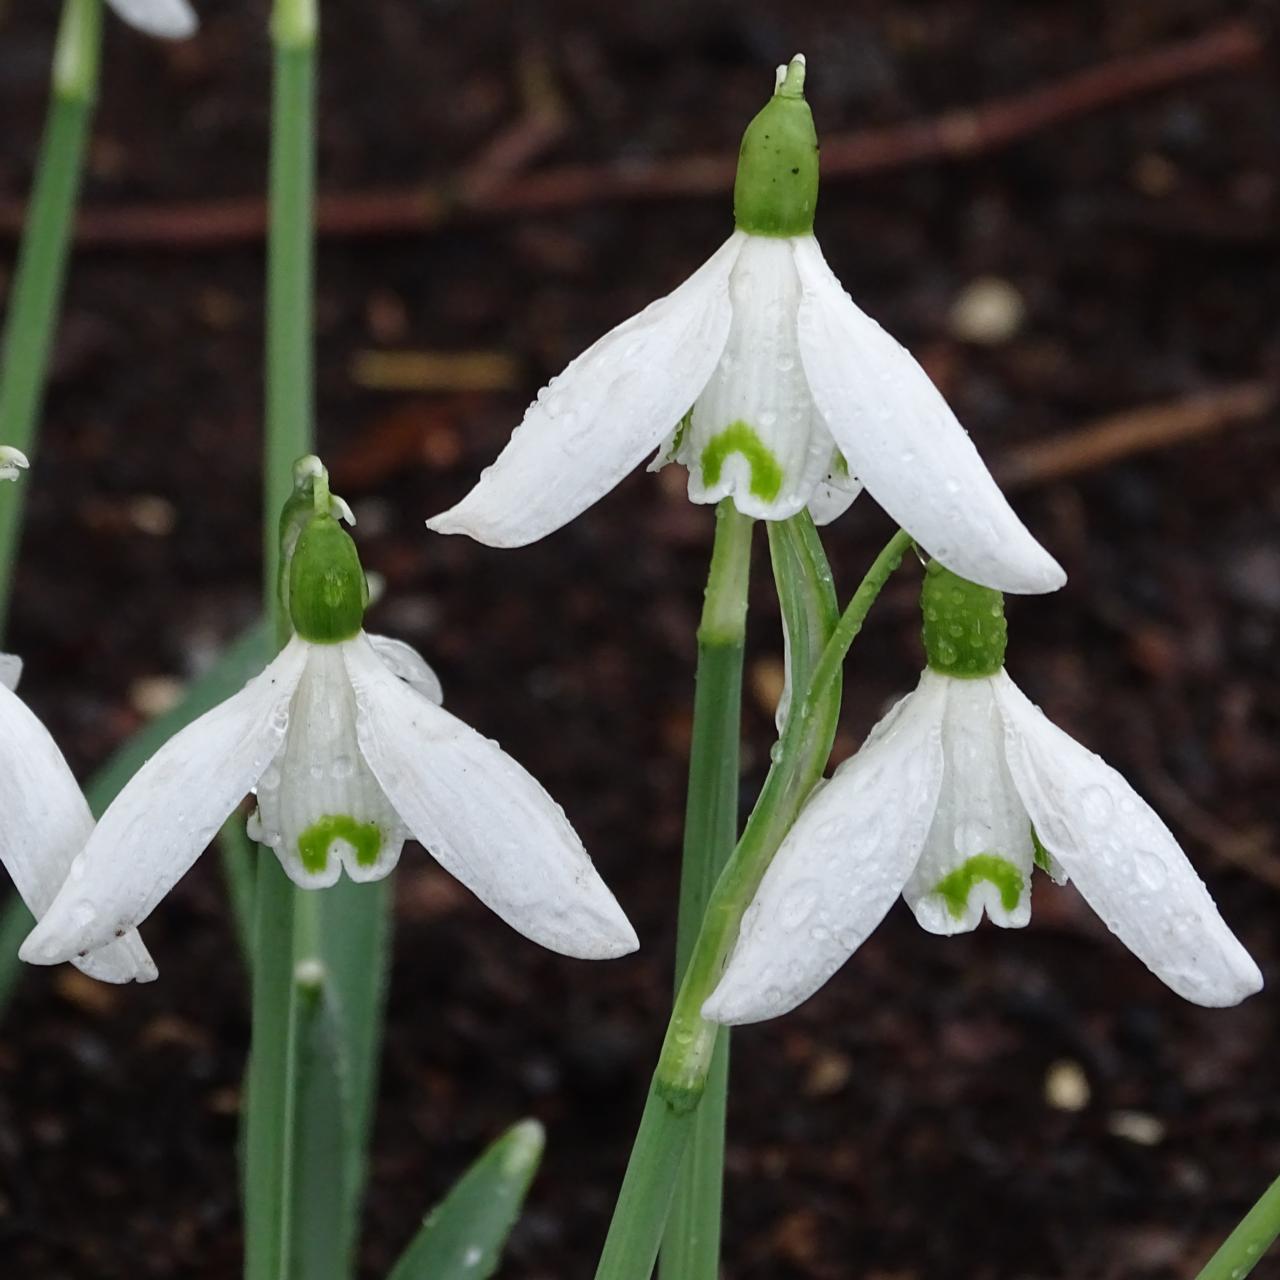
(738, 437)
(314, 842)
(954, 888)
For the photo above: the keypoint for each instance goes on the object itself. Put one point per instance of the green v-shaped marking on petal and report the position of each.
(954, 888)
(314, 842)
(738, 437)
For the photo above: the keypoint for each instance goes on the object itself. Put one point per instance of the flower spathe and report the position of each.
(349, 753)
(766, 381)
(957, 794)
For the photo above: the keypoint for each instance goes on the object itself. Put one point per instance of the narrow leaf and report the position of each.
(465, 1234)
(321, 1222)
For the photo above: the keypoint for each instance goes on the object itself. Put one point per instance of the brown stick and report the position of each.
(1136, 431)
(955, 134)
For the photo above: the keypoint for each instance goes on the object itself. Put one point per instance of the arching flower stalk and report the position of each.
(763, 378)
(344, 741)
(958, 793)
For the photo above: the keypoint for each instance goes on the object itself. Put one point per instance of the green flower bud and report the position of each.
(964, 628)
(776, 190)
(327, 588)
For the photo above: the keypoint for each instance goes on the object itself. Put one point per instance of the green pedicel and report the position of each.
(776, 191)
(314, 842)
(964, 627)
(766, 474)
(955, 887)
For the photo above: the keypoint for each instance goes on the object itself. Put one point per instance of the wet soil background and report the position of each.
(1029, 1104)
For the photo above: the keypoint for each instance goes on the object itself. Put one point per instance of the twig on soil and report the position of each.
(492, 187)
(1135, 431)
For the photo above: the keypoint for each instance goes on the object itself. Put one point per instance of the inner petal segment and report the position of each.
(319, 806)
(978, 856)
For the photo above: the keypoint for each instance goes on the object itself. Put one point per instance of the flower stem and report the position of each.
(691, 1244)
(272, 1082)
(290, 272)
(42, 256)
(818, 643)
(809, 612)
(1244, 1247)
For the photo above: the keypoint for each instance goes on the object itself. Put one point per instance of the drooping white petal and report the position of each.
(1123, 859)
(407, 663)
(10, 670)
(168, 19)
(841, 866)
(167, 814)
(904, 443)
(594, 423)
(44, 823)
(319, 807)
(482, 817)
(754, 433)
(978, 854)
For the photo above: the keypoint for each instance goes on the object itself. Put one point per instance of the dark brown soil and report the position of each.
(898, 1125)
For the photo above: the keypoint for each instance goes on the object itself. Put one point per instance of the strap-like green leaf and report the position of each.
(321, 1221)
(464, 1236)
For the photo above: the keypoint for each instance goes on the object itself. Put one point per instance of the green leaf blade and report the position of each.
(464, 1235)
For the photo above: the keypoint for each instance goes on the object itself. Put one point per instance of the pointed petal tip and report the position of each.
(164, 19)
(1242, 980)
(736, 1004)
(612, 939)
(1030, 571)
(456, 520)
(43, 946)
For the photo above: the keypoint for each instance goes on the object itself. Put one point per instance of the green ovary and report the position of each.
(738, 437)
(313, 844)
(955, 887)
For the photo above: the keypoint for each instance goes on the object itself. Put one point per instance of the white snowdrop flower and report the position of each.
(168, 19)
(344, 741)
(957, 794)
(12, 461)
(763, 378)
(45, 824)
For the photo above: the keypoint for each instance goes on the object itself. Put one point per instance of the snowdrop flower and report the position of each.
(45, 818)
(45, 823)
(958, 792)
(168, 19)
(349, 751)
(798, 398)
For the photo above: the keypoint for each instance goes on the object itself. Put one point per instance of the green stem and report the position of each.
(41, 268)
(818, 643)
(808, 601)
(290, 271)
(272, 1085)
(691, 1245)
(271, 1093)
(1243, 1248)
